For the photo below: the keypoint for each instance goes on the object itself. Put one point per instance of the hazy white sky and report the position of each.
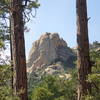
(60, 16)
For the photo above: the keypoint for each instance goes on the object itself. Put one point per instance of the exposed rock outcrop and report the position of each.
(49, 55)
(95, 46)
(48, 49)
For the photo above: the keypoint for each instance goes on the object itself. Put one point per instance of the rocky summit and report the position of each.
(49, 55)
(48, 49)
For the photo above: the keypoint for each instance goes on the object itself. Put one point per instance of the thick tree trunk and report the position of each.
(84, 66)
(18, 45)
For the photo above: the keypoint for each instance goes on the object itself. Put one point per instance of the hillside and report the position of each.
(51, 55)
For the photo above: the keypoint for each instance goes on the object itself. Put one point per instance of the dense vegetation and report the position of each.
(56, 88)
(5, 83)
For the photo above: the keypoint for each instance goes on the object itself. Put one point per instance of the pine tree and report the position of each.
(18, 46)
(84, 66)
(14, 10)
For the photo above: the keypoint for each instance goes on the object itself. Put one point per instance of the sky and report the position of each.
(60, 16)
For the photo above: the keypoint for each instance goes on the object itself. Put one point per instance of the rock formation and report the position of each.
(46, 50)
(49, 55)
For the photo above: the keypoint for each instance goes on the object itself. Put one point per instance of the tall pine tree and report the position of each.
(18, 47)
(84, 66)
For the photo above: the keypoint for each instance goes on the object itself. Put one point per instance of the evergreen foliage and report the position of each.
(94, 77)
(5, 83)
(56, 88)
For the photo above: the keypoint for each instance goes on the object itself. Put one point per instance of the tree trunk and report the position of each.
(84, 66)
(18, 46)
(11, 55)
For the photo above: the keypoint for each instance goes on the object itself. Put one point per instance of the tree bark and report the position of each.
(18, 46)
(84, 66)
(11, 55)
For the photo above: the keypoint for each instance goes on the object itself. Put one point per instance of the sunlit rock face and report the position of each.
(49, 55)
(48, 49)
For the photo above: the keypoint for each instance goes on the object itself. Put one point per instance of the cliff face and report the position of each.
(48, 49)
